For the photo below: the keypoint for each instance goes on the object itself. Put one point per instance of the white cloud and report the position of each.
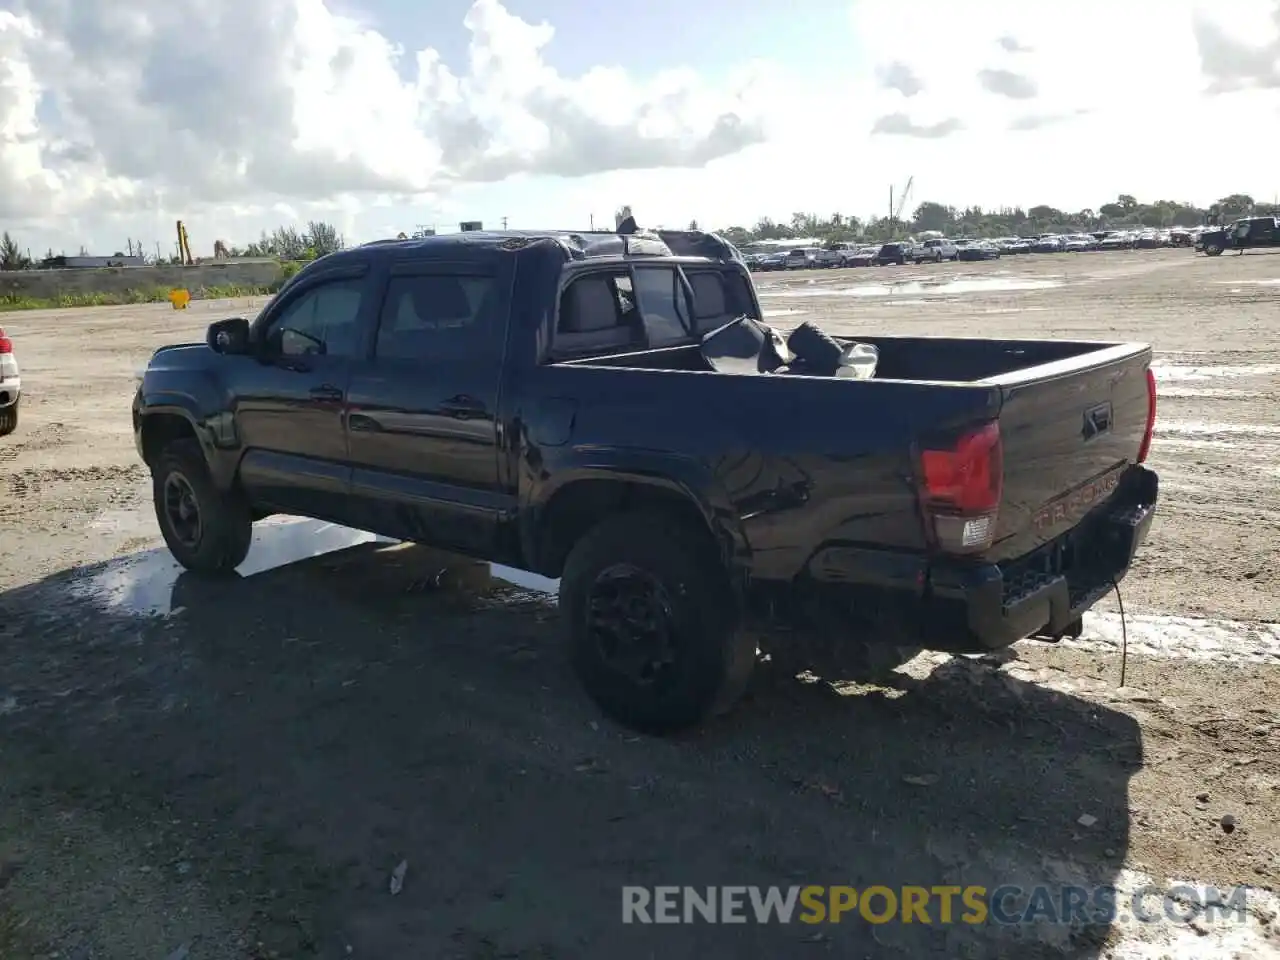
(1067, 104)
(236, 115)
(107, 110)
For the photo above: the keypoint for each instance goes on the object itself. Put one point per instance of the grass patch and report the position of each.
(13, 302)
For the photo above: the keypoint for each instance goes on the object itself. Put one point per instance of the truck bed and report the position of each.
(1071, 414)
(921, 359)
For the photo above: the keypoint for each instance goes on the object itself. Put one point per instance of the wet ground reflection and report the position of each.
(147, 583)
(923, 287)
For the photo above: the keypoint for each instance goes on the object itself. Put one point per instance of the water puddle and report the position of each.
(1196, 428)
(1165, 371)
(1206, 393)
(1182, 638)
(920, 288)
(152, 583)
(1183, 442)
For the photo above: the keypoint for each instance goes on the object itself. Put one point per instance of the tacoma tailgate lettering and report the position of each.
(1076, 503)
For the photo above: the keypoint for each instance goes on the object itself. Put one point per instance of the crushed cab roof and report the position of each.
(584, 244)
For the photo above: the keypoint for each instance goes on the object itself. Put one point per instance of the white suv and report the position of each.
(10, 386)
(935, 250)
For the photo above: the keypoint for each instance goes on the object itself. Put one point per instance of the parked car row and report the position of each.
(938, 249)
(809, 258)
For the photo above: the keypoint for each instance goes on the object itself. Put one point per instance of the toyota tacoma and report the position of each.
(611, 411)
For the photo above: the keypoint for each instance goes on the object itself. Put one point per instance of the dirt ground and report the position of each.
(234, 770)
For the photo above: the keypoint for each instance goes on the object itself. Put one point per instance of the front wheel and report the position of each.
(1212, 249)
(651, 624)
(206, 530)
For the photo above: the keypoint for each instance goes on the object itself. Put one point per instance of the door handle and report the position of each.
(326, 391)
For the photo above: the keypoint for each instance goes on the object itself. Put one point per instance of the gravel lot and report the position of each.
(234, 770)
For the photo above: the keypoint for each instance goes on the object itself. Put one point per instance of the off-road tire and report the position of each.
(9, 419)
(1212, 250)
(714, 657)
(226, 520)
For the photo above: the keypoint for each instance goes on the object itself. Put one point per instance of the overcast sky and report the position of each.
(379, 115)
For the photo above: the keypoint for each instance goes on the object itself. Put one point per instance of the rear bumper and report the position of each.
(975, 607)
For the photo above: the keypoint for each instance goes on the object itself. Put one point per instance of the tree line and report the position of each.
(286, 243)
(1125, 212)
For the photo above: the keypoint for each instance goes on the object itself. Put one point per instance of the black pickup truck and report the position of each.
(1247, 234)
(604, 409)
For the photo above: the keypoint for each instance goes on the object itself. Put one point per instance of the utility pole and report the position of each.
(504, 223)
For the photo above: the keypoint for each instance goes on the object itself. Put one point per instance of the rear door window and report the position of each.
(436, 316)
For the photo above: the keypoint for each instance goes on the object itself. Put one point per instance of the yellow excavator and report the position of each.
(184, 246)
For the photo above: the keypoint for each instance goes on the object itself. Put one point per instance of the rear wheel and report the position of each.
(9, 419)
(652, 624)
(206, 530)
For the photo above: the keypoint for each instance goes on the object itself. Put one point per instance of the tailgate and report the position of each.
(1068, 430)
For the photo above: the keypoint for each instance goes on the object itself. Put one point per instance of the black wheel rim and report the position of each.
(630, 620)
(182, 510)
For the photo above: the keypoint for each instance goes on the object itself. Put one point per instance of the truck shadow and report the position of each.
(318, 723)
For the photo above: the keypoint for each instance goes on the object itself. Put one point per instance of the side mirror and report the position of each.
(230, 336)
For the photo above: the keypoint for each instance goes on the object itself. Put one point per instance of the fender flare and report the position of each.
(222, 462)
(681, 476)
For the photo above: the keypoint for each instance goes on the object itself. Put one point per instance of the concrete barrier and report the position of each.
(49, 284)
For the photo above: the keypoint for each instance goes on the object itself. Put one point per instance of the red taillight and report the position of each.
(6, 345)
(1151, 417)
(961, 486)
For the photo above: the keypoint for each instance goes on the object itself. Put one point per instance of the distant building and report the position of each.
(467, 226)
(90, 263)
